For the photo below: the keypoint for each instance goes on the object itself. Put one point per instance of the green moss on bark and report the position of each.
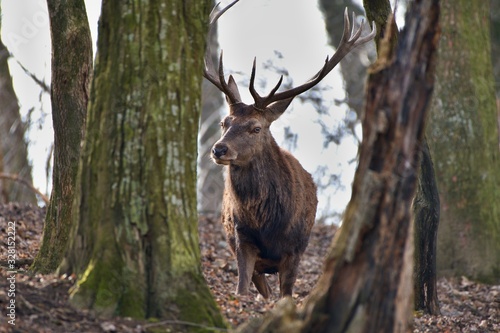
(71, 74)
(462, 134)
(135, 248)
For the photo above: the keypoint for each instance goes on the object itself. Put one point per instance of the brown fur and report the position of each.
(269, 202)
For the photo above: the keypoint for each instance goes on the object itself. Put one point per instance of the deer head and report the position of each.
(246, 128)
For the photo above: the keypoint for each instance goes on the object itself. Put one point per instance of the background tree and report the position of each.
(495, 42)
(210, 181)
(354, 65)
(366, 284)
(135, 245)
(495, 51)
(71, 75)
(463, 133)
(13, 148)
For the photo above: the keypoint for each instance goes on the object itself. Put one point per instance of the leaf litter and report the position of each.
(42, 300)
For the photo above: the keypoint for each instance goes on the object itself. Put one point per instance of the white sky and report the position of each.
(294, 28)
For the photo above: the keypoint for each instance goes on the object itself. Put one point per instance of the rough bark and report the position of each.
(366, 285)
(379, 11)
(495, 51)
(426, 205)
(13, 147)
(426, 209)
(71, 75)
(135, 246)
(463, 133)
(495, 42)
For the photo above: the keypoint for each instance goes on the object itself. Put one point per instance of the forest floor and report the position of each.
(42, 300)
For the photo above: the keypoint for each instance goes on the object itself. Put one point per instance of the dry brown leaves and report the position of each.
(466, 306)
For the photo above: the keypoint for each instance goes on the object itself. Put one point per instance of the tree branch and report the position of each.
(45, 87)
(26, 183)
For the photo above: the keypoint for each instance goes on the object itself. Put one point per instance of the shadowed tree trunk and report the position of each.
(71, 76)
(426, 209)
(13, 148)
(367, 281)
(463, 133)
(135, 247)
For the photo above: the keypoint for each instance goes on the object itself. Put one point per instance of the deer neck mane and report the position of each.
(259, 177)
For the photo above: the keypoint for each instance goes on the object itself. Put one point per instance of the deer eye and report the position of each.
(256, 130)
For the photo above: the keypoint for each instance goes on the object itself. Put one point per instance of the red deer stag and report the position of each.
(269, 202)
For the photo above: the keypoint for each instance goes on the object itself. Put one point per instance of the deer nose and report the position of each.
(219, 150)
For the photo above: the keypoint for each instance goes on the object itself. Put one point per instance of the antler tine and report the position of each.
(349, 41)
(256, 97)
(259, 101)
(214, 14)
(209, 72)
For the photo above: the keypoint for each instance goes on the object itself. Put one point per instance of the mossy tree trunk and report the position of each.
(135, 246)
(495, 51)
(366, 285)
(13, 148)
(463, 135)
(71, 75)
(495, 43)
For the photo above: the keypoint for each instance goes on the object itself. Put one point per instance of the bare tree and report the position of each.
(14, 166)
(71, 75)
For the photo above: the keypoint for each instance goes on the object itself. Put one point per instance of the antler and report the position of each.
(228, 88)
(349, 41)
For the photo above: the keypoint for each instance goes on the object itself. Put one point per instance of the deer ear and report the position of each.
(277, 108)
(234, 89)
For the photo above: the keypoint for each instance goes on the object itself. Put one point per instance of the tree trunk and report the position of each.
(13, 148)
(210, 180)
(379, 11)
(135, 248)
(366, 285)
(354, 66)
(71, 76)
(426, 209)
(495, 42)
(426, 204)
(495, 50)
(463, 132)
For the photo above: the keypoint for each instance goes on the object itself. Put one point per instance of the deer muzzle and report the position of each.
(221, 153)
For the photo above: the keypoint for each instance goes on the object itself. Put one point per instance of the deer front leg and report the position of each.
(288, 274)
(246, 256)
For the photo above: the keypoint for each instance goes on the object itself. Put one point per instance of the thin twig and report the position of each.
(45, 87)
(26, 183)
